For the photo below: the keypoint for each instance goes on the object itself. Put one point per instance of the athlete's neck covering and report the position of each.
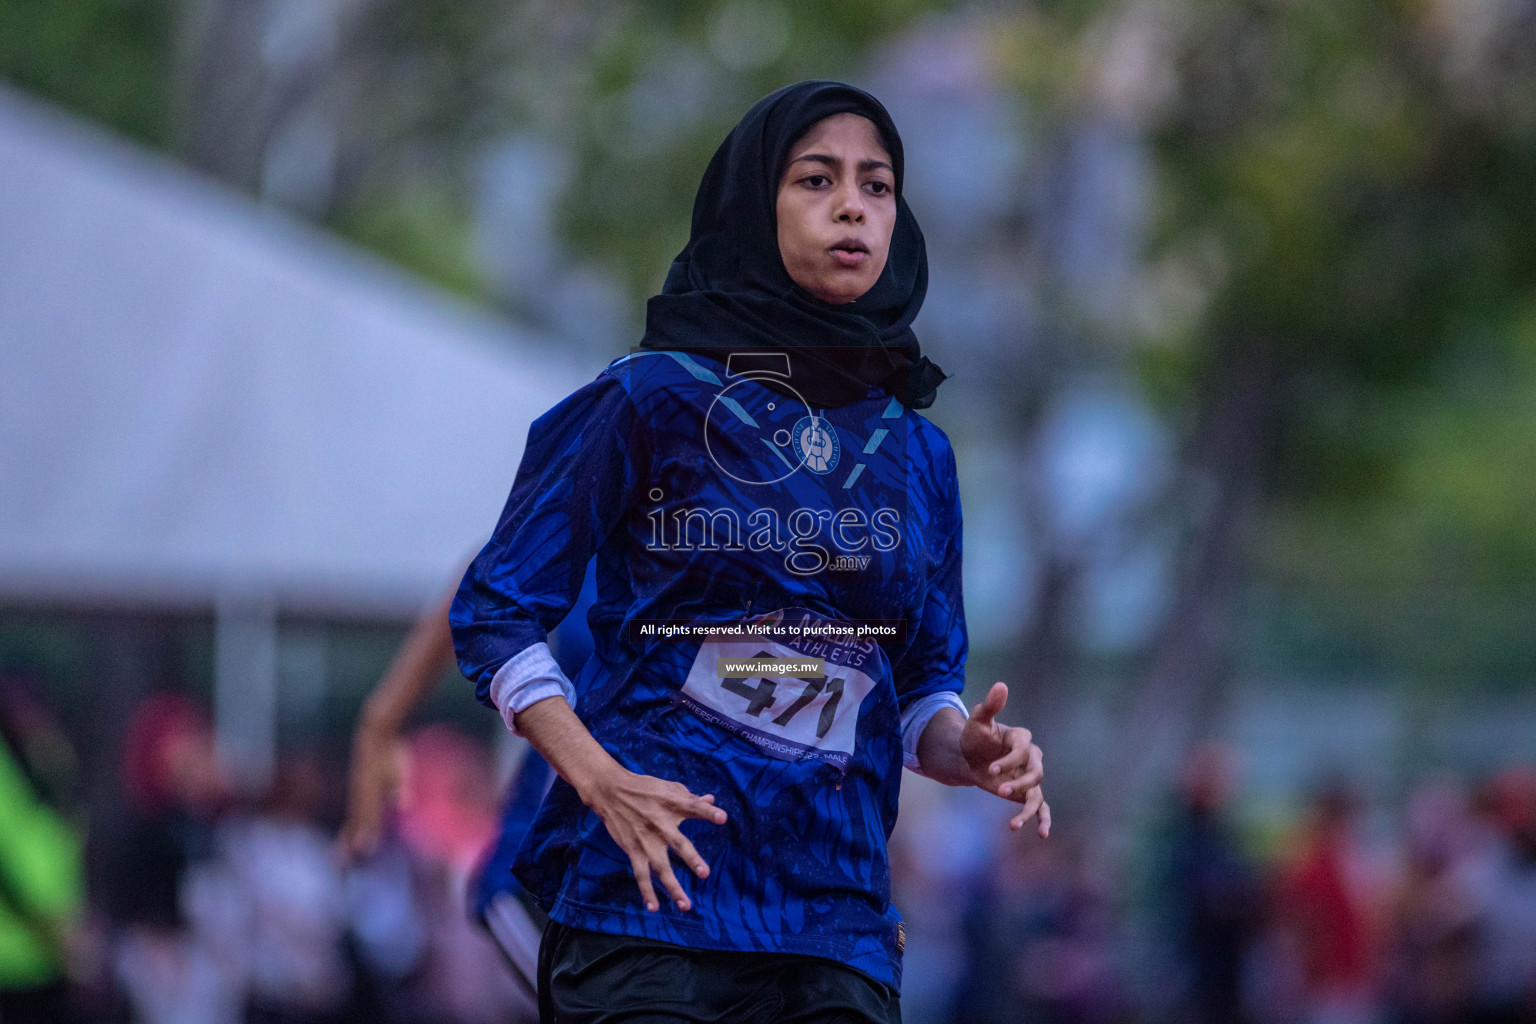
(728, 290)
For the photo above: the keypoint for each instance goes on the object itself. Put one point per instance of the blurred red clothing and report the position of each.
(1328, 921)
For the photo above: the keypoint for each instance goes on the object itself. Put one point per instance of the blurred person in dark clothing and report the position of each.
(41, 885)
(1038, 938)
(1212, 889)
(174, 790)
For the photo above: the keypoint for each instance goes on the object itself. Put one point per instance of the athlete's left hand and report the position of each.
(1003, 760)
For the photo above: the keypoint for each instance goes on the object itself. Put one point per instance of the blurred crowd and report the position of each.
(185, 902)
(1330, 917)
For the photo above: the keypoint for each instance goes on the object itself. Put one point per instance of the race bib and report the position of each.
(809, 709)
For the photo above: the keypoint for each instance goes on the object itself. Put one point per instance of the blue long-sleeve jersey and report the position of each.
(712, 498)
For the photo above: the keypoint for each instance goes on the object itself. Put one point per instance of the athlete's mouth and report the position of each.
(849, 252)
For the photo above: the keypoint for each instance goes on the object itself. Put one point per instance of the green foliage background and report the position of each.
(1327, 189)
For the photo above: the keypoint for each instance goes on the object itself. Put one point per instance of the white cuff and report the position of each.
(526, 678)
(915, 719)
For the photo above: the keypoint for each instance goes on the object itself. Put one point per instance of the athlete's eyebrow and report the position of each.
(836, 162)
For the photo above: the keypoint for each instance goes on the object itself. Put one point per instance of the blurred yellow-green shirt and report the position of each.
(40, 881)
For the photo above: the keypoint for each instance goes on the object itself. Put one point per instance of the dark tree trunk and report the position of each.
(1188, 660)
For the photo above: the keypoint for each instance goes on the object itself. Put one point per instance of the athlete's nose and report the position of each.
(850, 204)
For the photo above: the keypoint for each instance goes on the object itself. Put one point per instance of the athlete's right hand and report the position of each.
(642, 814)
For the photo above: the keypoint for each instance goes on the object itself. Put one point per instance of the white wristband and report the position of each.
(526, 678)
(915, 719)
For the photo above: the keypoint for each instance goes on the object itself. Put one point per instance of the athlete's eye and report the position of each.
(880, 188)
(816, 180)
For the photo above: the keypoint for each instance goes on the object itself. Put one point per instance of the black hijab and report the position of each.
(728, 289)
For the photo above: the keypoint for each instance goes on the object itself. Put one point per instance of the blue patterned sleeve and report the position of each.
(582, 463)
(931, 674)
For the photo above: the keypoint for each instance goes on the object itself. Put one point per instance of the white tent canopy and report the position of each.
(201, 399)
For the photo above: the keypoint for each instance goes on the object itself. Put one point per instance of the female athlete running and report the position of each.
(778, 626)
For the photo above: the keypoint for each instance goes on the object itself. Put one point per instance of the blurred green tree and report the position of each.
(107, 59)
(1336, 312)
(1339, 295)
(396, 99)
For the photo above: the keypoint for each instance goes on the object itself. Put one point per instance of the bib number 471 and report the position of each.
(761, 698)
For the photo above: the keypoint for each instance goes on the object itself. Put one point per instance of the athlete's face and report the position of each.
(836, 208)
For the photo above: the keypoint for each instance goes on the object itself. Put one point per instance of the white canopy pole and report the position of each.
(245, 688)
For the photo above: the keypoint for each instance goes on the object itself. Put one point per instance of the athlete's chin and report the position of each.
(841, 287)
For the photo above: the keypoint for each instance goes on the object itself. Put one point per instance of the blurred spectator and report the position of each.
(168, 970)
(389, 934)
(1324, 913)
(1502, 882)
(926, 876)
(1212, 890)
(448, 816)
(1430, 974)
(166, 966)
(283, 903)
(41, 884)
(1039, 941)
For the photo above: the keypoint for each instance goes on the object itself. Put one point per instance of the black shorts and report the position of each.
(591, 978)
